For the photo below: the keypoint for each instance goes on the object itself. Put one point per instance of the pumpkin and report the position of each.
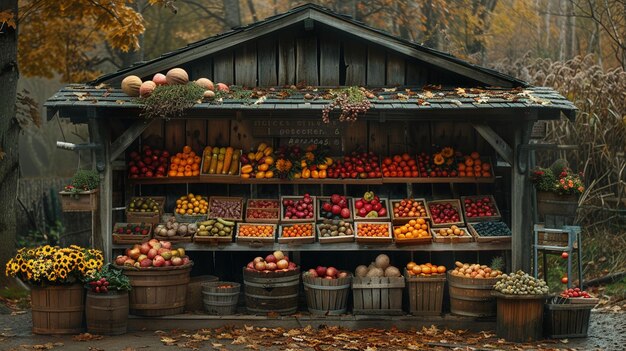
(146, 88)
(438, 159)
(177, 76)
(447, 152)
(131, 85)
(222, 87)
(209, 94)
(205, 83)
(159, 79)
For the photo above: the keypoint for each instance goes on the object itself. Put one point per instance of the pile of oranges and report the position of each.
(416, 228)
(192, 205)
(298, 230)
(185, 164)
(256, 230)
(424, 269)
(373, 229)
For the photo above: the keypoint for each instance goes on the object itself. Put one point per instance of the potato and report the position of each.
(361, 271)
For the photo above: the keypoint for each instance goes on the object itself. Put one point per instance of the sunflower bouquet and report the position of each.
(54, 265)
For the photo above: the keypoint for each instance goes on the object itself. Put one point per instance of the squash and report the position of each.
(131, 85)
(147, 88)
(206, 83)
(177, 76)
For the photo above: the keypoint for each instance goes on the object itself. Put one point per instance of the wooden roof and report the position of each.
(310, 15)
(78, 102)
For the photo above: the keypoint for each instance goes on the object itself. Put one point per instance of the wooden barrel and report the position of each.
(472, 297)
(158, 291)
(327, 296)
(425, 294)
(58, 309)
(378, 295)
(107, 314)
(220, 300)
(520, 317)
(194, 292)
(275, 292)
(552, 204)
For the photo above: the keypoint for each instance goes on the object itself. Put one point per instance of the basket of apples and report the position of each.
(297, 208)
(371, 208)
(327, 290)
(158, 274)
(334, 207)
(480, 208)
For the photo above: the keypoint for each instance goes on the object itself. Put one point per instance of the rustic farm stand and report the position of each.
(283, 72)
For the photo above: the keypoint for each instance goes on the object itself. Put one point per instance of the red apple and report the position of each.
(257, 260)
(260, 266)
(321, 271)
(271, 266)
(342, 274)
(177, 261)
(331, 272)
(158, 261)
(146, 262)
(291, 266)
(152, 253)
(167, 263)
(313, 272)
(119, 260)
(134, 253)
(250, 265)
(129, 262)
(270, 259)
(166, 244)
(279, 255)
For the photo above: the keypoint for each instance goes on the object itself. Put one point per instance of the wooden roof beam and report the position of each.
(502, 147)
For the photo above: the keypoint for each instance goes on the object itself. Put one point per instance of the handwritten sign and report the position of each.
(314, 129)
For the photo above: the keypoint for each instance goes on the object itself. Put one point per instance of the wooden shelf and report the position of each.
(374, 181)
(473, 246)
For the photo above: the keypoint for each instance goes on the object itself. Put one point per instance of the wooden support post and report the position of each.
(106, 192)
(502, 148)
(128, 137)
(520, 203)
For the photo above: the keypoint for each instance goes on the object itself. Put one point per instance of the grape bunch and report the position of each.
(351, 103)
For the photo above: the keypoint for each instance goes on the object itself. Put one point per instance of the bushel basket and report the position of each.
(552, 204)
(327, 296)
(275, 292)
(425, 294)
(567, 320)
(472, 296)
(58, 309)
(107, 313)
(220, 298)
(158, 291)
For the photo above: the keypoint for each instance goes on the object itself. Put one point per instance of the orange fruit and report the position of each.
(426, 270)
(186, 149)
(441, 269)
(410, 265)
(416, 269)
(172, 173)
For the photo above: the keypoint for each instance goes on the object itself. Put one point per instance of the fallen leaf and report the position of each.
(248, 328)
(216, 345)
(168, 341)
(372, 348)
(86, 337)
(252, 347)
(92, 348)
(564, 341)
(239, 341)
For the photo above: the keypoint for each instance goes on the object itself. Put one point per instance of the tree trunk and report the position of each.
(569, 30)
(9, 132)
(129, 58)
(232, 13)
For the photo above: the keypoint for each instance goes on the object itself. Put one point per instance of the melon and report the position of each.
(222, 87)
(392, 271)
(361, 271)
(131, 85)
(177, 76)
(146, 88)
(205, 83)
(375, 273)
(159, 79)
(382, 261)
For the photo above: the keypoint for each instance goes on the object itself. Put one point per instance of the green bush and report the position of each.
(85, 180)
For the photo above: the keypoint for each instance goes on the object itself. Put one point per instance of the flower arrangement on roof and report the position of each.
(53, 265)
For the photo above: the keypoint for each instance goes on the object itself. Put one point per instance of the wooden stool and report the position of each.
(556, 241)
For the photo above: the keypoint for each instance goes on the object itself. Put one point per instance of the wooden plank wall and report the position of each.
(320, 57)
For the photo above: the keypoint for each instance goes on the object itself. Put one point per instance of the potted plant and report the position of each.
(82, 193)
(558, 189)
(106, 307)
(54, 274)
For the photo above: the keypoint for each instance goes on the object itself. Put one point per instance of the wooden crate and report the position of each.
(451, 239)
(327, 296)
(186, 218)
(383, 201)
(567, 320)
(212, 239)
(86, 201)
(559, 239)
(297, 240)
(425, 294)
(238, 200)
(413, 241)
(487, 239)
(377, 296)
(334, 239)
(318, 208)
(455, 203)
(209, 176)
(373, 240)
(255, 240)
(495, 217)
(404, 220)
(275, 210)
(131, 238)
(147, 217)
(175, 238)
(297, 220)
